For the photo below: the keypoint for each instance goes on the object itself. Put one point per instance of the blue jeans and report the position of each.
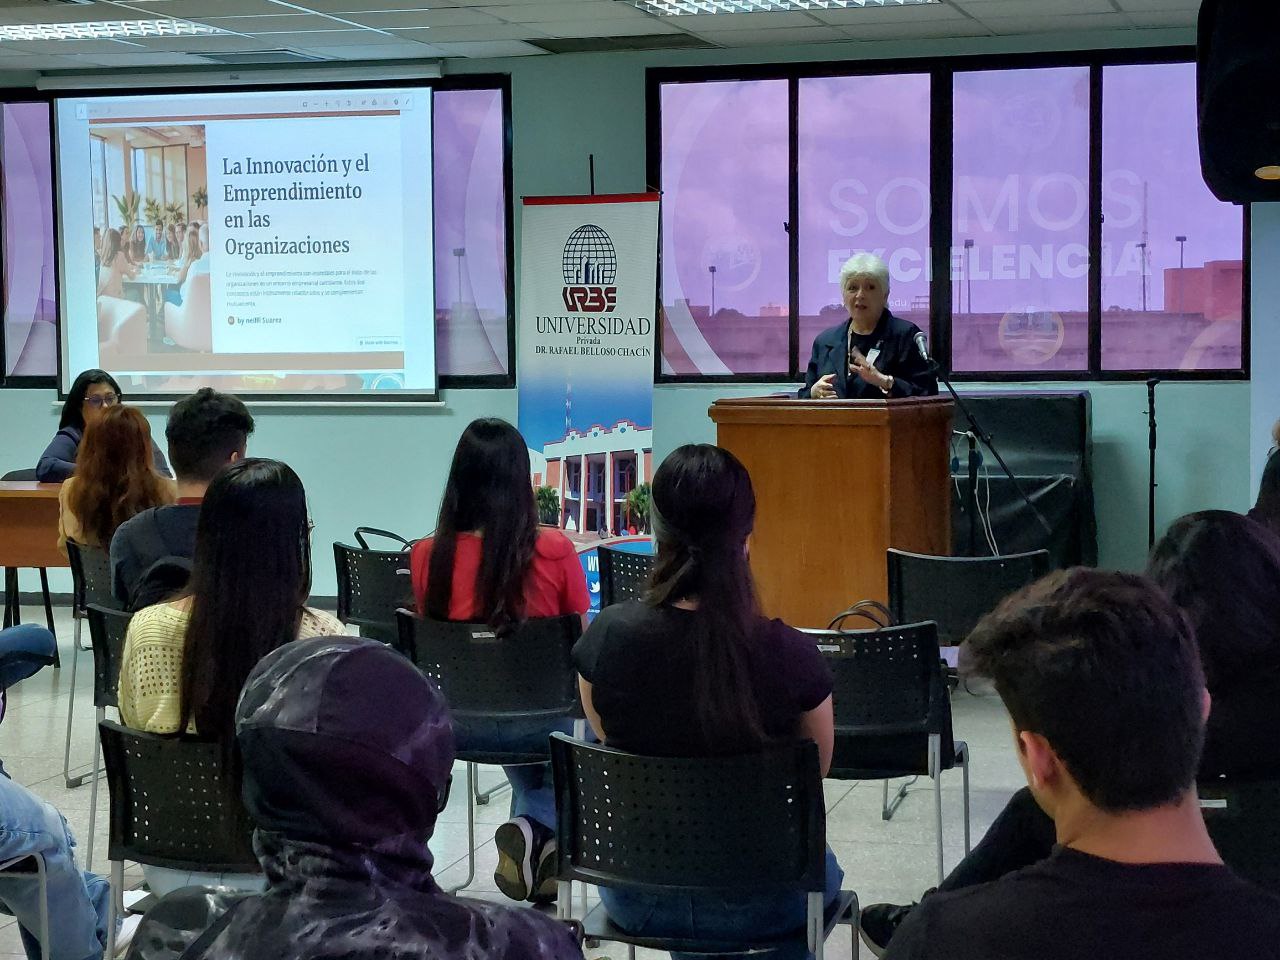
(715, 918)
(77, 900)
(25, 638)
(532, 792)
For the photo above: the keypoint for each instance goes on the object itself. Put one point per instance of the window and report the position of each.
(1020, 227)
(30, 297)
(472, 312)
(725, 273)
(863, 173)
(1172, 267)
(982, 183)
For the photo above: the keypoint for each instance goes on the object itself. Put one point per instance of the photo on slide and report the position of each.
(151, 239)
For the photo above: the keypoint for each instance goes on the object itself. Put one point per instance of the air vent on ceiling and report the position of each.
(647, 41)
(259, 57)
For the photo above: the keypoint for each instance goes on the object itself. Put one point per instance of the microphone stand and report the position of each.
(1151, 467)
(976, 429)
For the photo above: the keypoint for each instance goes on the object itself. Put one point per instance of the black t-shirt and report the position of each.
(866, 342)
(639, 663)
(142, 540)
(1074, 906)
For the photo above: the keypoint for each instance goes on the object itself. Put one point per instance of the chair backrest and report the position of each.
(1243, 817)
(371, 588)
(16, 475)
(107, 630)
(175, 802)
(729, 824)
(623, 575)
(889, 697)
(90, 576)
(956, 592)
(529, 673)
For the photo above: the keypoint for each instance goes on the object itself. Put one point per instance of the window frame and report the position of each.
(941, 119)
(476, 81)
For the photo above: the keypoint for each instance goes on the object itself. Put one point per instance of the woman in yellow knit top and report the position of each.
(185, 661)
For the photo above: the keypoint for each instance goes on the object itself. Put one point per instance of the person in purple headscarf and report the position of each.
(344, 798)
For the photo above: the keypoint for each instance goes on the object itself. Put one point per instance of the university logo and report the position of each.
(590, 266)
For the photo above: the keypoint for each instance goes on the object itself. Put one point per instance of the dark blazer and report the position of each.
(59, 458)
(899, 358)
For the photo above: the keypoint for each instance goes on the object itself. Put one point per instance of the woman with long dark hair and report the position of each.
(92, 393)
(1223, 570)
(115, 479)
(137, 247)
(488, 562)
(693, 669)
(114, 265)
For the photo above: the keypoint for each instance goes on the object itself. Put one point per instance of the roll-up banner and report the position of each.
(584, 364)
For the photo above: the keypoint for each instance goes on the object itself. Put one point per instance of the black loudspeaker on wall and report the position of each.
(1237, 75)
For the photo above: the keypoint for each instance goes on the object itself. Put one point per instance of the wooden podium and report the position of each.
(837, 482)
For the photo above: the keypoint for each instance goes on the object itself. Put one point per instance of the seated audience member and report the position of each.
(693, 669)
(185, 661)
(77, 901)
(137, 247)
(115, 479)
(92, 392)
(1223, 571)
(488, 562)
(1267, 508)
(151, 553)
(1102, 680)
(191, 253)
(345, 799)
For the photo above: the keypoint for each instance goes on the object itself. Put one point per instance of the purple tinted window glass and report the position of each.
(725, 263)
(470, 232)
(30, 307)
(1020, 258)
(1172, 267)
(864, 186)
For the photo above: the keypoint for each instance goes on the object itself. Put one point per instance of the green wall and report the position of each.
(387, 468)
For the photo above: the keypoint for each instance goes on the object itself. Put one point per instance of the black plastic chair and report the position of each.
(528, 675)
(893, 713)
(91, 583)
(743, 825)
(1243, 817)
(956, 592)
(32, 869)
(12, 607)
(175, 804)
(108, 628)
(623, 575)
(372, 586)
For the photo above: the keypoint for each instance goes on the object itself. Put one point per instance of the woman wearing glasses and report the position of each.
(93, 392)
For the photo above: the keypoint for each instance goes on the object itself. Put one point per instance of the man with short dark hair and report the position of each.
(206, 431)
(1103, 684)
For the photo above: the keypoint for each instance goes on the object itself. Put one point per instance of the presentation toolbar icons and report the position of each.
(400, 102)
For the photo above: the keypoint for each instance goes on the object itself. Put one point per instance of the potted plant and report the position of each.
(153, 210)
(201, 199)
(127, 209)
(548, 499)
(174, 214)
(638, 505)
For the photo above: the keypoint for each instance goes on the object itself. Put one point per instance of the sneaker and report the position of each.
(879, 922)
(545, 886)
(520, 844)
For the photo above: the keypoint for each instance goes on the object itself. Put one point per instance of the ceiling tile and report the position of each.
(68, 48)
(610, 28)
(227, 44)
(701, 23)
(147, 59)
(497, 31)
(37, 62)
(204, 8)
(753, 38)
(1009, 26)
(559, 10)
(71, 13)
(328, 38)
(962, 27)
(1166, 18)
(1040, 9)
(272, 24)
(1158, 6)
(911, 13)
(381, 51)
(455, 17)
(480, 50)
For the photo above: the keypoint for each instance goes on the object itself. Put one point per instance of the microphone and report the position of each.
(923, 346)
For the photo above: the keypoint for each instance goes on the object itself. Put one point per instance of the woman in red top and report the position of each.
(488, 562)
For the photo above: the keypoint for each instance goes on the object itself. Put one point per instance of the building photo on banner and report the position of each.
(586, 357)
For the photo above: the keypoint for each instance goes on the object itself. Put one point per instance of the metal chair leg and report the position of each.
(42, 875)
(471, 829)
(115, 906)
(12, 613)
(935, 763)
(93, 794)
(964, 770)
(48, 616)
(483, 798)
(889, 808)
(72, 782)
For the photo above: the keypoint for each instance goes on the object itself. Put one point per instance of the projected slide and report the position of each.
(271, 242)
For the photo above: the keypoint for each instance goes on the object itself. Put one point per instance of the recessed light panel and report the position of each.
(678, 8)
(106, 30)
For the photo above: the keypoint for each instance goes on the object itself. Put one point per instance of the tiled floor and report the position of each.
(891, 861)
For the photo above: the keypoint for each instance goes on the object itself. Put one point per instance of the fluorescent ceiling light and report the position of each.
(678, 8)
(106, 30)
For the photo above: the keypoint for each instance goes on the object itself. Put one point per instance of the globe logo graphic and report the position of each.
(589, 258)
